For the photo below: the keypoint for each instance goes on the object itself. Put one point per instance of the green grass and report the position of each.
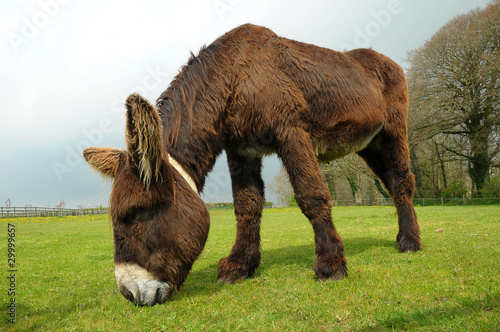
(65, 279)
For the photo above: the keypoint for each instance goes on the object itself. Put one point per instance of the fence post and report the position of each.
(442, 204)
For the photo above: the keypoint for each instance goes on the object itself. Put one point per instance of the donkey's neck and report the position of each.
(183, 172)
(192, 111)
(196, 158)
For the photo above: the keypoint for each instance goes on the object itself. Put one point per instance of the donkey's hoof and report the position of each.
(231, 279)
(327, 271)
(230, 272)
(408, 244)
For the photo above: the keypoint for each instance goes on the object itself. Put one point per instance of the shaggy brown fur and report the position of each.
(251, 93)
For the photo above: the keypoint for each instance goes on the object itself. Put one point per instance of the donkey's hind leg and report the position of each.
(388, 157)
(248, 196)
(313, 198)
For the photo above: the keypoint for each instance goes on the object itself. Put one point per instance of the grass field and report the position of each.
(65, 279)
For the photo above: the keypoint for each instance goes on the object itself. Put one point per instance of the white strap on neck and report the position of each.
(183, 172)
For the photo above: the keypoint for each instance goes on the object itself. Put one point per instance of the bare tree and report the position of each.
(351, 169)
(454, 92)
(329, 177)
(281, 186)
(362, 184)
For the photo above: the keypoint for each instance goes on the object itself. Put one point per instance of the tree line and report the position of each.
(453, 123)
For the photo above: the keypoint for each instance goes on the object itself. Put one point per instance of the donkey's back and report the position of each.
(342, 100)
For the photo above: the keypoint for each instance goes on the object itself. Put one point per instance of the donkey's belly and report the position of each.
(255, 151)
(330, 148)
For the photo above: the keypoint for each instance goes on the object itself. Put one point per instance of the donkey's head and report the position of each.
(160, 224)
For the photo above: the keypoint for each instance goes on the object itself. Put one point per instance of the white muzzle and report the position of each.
(139, 286)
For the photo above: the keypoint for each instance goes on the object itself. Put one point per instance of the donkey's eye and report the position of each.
(144, 214)
(140, 215)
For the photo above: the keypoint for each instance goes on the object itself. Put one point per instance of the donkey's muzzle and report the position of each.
(139, 286)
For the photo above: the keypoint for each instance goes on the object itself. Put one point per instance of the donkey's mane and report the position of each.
(178, 102)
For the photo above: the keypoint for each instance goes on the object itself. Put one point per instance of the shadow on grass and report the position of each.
(466, 308)
(204, 282)
(304, 255)
(300, 255)
(358, 245)
(200, 283)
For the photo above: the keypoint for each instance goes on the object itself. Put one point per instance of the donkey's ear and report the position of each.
(143, 134)
(103, 160)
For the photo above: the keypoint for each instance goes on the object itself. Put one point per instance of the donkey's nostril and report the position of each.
(128, 295)
(130, 291)
(154, 292)
(163, 292)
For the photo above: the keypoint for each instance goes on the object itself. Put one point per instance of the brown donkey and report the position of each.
(250, 93)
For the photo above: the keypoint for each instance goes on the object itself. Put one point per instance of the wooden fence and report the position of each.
(421, 201)
(33, 211)
(29, 211)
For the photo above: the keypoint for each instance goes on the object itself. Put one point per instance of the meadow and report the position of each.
(64, 277)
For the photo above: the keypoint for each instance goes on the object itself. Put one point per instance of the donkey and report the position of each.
(250, 93)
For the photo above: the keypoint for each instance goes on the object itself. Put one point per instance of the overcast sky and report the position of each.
(66, 68)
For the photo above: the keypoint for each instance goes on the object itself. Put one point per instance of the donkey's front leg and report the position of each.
(313, 198)
(248, 196)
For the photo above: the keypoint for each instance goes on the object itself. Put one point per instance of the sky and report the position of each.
(67, 66)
